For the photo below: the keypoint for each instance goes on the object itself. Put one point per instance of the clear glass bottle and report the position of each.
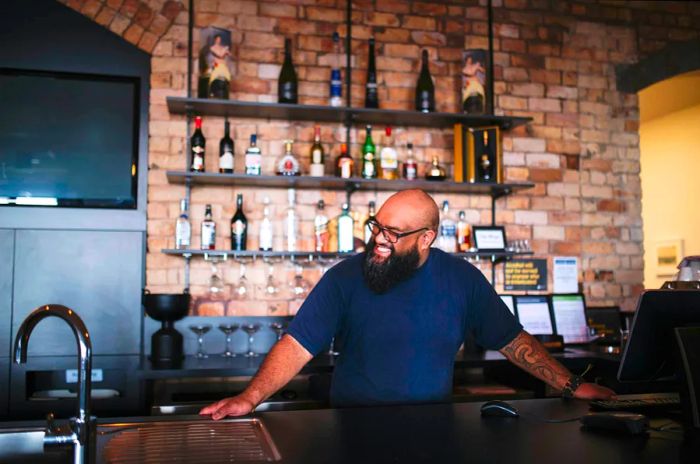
(321, 232)
(287, 164)
(208, 230)
(265, 238)
(447, 234)
(464, 241)
(183, 230)
(291, 223)
(370, 217)
(317, 168)
(346, 226)
(336, 86)
(410, 166)
(253, 157)
(388, 159)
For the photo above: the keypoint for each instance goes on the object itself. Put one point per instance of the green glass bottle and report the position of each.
(369, 162)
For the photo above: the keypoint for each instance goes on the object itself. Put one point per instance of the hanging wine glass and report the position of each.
(216, 283)
(272, 288)
(241, 290)
(299, 287)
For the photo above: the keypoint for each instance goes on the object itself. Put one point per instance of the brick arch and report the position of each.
(675, 58)
(140, 22)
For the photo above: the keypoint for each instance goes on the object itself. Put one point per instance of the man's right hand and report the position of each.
(234, 406)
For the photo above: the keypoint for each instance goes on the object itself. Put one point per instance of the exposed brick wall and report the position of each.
(554, 61)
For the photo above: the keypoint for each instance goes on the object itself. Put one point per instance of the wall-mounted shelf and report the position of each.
(337, 183)
(495, 257)
(320, 113)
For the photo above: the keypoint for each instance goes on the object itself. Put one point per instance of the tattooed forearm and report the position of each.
(527, 353)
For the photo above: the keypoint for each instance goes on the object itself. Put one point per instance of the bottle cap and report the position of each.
(388, 130)
(198, 122)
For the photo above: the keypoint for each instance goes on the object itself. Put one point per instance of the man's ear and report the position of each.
(427, 239)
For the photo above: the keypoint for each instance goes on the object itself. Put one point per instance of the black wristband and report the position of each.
(571, 386)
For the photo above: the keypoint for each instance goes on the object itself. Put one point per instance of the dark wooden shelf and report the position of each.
(319, 113)
(337, 183)
(314, 255)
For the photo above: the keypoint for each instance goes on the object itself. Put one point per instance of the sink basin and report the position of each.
(201, 441)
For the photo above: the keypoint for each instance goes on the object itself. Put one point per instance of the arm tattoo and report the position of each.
(527, 353)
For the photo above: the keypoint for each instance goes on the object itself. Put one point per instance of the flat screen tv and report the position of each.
(68, 139)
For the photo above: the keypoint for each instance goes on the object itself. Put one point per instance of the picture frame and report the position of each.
(476, 82)
(667, 255)
(489, 238)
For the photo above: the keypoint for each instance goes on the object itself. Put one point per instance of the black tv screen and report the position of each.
(68, 139)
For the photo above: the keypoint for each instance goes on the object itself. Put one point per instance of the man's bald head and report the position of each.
(410, 209)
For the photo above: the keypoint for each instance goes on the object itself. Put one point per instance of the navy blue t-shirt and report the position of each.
(400, 346)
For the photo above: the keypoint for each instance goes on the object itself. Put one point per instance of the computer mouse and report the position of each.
(497, 408)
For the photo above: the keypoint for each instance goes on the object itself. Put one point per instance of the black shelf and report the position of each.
(320, 113)
(336, 183)
(495, 257)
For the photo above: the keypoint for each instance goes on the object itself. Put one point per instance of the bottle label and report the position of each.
(208, 236)
(336, 83)
(317, 170)
(368, 169)
(252, 163)
(289, 91)
(410, 172)
(226, 160)
(288, 165)
(346, 168)
(182, 235)
(317, 156)
(266, 235)
(345, 234)
(238, 228)
(388, 158)
(197, 158)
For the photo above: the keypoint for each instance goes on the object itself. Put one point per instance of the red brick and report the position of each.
(90, 8)
(298, 26)
(418, 22)
(133, 33)
(402, 50)
(251, 85)
(382, 19)
(105, 16)
(325, 14)
(171, 9)
(428, 8)
(515, 74)
(545, 175)
(428, 38)
(391, 34)
(612, 206)
(143, 16)
(562, 119)
(277, 9)
(566, 248)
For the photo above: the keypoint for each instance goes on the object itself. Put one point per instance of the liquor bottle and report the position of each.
(371, 95)
(344, 164)
(388, 159)
(321, 232)
(239, 227)
(291, 223)
(253, 157)
(464, 241)
(435, 172)
(197, 144)
(370, 217)
(208, 230)
(317, 168)
(447, 235)
(410, 166)
(287, 165)
(265, 238)
(183, 230)
(346, 225)
(369, 163)
(219, 81)
(425, 89)
(336, 86)
(226, 151)
(287, 82)
(485, 160)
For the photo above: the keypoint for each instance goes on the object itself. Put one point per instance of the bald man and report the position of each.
(399, 312)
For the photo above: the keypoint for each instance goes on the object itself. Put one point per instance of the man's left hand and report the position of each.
(592, 391)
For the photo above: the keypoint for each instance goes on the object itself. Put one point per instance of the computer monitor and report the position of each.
(650, 351)
(534, 315)
(606, 321)
(569, 313)
(509, 301)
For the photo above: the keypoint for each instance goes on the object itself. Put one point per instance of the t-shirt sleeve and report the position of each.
(490, 321)
(317, 320)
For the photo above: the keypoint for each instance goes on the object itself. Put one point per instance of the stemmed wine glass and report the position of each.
(272, 288)
(278, 328)
(241, 291)
(216, 283)
(250, 329)
(228, 330)
(200, 330)
(299, 287)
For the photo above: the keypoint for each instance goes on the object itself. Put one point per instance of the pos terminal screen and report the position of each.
(570, 317)
(533, 314)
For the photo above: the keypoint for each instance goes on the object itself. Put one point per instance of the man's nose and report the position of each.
(380, 239)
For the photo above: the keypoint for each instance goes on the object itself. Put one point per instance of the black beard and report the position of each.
(381, 276)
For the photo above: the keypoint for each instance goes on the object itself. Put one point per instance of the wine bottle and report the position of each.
(226, 151)
(183, 231)
(371, 96)
(317, 168)
(265, 238)
(344, 164)
(346, 225)
(321, 232)
(410, 166)
(208, 230)
(287, 82)
(197, 144)
(336, 86)
(425, 90)
(369, 163)
(239, 227)
(370, 217)
(253, 157)
(388, 159)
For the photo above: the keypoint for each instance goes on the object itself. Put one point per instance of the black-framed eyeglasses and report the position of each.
(390, 236)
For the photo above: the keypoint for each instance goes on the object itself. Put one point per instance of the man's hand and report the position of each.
(592, 391)
(234, 406)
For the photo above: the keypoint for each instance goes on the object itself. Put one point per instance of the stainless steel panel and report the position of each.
(7, 246)
(99, 274)
(4, 387)
(200, 441)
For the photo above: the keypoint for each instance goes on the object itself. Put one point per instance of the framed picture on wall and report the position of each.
(668, 253)
(475, 82)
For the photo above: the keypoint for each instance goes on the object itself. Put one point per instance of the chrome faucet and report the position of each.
(80, 433)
